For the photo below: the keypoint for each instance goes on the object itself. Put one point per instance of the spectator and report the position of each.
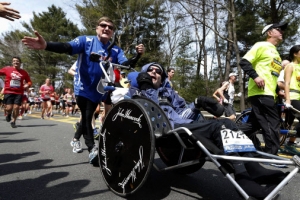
(171, 72)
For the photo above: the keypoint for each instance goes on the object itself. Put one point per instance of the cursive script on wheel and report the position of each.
(127, 115)
(139, 165)
(103, 153)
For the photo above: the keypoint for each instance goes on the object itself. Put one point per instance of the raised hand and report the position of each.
(140, 49)
(8, 13)
(38, 42)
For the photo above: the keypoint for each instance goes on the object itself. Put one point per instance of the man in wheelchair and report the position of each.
(152, 83)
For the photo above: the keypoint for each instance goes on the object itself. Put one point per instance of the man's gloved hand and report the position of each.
(239, 94)
(287, 105)
(94, 57)
(144, 81)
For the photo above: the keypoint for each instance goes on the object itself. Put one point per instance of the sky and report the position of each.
(27, 7)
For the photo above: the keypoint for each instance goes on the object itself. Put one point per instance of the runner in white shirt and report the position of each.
(31, 96)
(225, 95)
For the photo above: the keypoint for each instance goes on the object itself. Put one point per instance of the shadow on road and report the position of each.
(11, 168)
(9, 133)
(36, 125)
(17, 141)
(4, 158)
(44, 188)
(202, 183)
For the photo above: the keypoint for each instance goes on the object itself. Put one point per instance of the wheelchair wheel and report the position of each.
(167, 146)
(126, 148)
(243, 118)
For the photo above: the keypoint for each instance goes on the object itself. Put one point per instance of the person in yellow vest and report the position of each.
(262, 63)
(292, 82)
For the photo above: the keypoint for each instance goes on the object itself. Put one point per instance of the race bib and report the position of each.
(15, 83)
(236, 141)
(47, 96)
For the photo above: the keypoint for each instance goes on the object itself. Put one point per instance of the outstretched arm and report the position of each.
(8, 13)
(39, 43)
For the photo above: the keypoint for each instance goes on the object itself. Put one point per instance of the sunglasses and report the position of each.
(106, 25)
(158, 71)
(278, 29)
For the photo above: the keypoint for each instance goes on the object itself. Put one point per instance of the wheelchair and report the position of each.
(135, 129)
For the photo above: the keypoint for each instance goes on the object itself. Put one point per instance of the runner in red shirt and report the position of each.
(16, 80)
(46, 92)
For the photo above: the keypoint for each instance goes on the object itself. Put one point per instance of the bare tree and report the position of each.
(174, 31)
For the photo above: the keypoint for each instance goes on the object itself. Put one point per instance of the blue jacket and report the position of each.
(178, 111)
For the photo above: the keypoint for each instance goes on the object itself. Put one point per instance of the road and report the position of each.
(37, 162)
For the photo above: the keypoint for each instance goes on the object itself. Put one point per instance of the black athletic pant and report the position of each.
(295, 104)
(264, 115)
(87, 108)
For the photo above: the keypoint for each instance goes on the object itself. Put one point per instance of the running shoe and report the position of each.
(13, 124)
(96, 134)
(48, 115)
(93, 156)
(289, 149)
(20, 117)
(8, 118)
(77, 146)
(295, 144)
(42, 117)
(29, 113)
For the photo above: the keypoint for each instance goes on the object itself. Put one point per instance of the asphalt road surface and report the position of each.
(37, 162)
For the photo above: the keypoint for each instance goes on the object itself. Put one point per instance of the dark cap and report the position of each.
(283, 26)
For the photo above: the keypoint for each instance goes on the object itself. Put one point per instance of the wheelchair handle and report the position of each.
(294, 109)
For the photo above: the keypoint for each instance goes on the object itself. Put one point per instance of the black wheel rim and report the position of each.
(126, 148)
